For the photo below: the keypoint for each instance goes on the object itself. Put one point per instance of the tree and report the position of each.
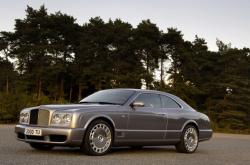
(146, 39)
(126, 67)
(30, 47)
(91, 61)
(63, 37)
(232, 106)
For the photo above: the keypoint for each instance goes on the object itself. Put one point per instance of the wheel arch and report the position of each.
(192, 123)
(101, 117)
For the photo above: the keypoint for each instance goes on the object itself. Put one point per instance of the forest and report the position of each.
(49, 58)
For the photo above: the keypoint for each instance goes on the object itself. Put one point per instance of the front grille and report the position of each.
(34, 116)
(43, 117)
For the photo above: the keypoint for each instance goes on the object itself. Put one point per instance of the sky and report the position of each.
(227, 20)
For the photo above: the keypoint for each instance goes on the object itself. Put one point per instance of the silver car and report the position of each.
(115, 117)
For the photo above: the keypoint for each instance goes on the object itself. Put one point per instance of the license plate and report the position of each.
(33, 131)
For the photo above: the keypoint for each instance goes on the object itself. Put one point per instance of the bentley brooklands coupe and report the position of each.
(115, 117)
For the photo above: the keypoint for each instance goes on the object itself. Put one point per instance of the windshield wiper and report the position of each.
(98, 102)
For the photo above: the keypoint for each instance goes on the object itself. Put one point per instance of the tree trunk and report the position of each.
(147, 75)
(70, 92)
(61, 89)
(7, 85)
(79, 92)
(39, 89)
(98, 84)
(209, 107)
(162, 74)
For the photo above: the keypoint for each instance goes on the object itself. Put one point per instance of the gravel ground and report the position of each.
(228, 149)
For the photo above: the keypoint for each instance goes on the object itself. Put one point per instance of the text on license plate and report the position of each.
(33, 131)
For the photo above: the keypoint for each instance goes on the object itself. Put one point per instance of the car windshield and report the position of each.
(112, 96)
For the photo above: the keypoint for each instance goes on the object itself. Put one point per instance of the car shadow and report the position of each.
(113, 151)
(146, 149)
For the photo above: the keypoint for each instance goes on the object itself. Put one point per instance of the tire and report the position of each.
(189, 140)
(98, 138)
(41, 146)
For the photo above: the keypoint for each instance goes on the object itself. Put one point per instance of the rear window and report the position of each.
(167, 102)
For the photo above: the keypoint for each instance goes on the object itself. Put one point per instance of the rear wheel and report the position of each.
(189, 140)
(98, 139)
(41, 146)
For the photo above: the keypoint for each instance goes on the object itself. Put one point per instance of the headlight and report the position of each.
(61, 119)
(24, 118)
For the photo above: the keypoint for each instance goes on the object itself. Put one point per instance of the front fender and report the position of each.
(87, 118)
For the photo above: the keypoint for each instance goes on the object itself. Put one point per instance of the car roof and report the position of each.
(138, 90)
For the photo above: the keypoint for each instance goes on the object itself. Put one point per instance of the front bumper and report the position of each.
(205, 134)
(52, 135)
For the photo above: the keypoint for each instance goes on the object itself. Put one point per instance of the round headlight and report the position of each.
(67, 118)
(57, 119)
(24, 118)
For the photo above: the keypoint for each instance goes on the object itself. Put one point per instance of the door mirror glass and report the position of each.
(137, 104)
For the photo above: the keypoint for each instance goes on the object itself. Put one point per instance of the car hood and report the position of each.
(74, 107)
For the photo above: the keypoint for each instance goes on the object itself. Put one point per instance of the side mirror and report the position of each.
(137, 104)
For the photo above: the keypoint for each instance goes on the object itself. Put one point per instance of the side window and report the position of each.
(167, 102)
(149, 100)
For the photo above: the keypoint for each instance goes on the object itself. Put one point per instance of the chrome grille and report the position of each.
(43, 117)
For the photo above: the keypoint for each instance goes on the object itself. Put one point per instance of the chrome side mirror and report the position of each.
(137, 104)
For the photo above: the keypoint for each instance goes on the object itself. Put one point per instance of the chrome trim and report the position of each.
(174, 130)
(138, 130)
(205, 130)
(147, 140)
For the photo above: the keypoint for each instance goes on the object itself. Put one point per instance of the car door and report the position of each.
(149, 121)
(175, 119)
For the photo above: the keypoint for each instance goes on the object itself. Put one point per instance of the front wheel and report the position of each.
(189, 140)
(98, 139)
(40, 146)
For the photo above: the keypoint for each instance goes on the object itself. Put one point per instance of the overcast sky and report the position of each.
(227, 20)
